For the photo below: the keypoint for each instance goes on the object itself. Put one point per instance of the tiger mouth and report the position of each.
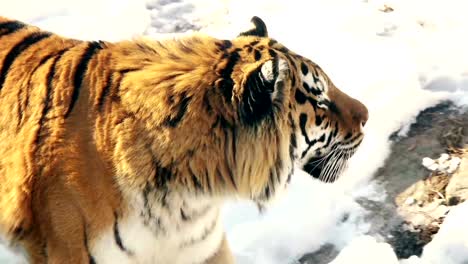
(329, 168)
(314, 167)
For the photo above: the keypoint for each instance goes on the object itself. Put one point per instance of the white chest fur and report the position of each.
(176, 229)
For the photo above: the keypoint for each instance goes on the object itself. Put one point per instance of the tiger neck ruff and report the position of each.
(125, 152)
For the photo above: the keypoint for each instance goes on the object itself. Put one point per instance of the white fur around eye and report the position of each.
(267, 71)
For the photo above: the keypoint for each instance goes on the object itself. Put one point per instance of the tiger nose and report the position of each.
(360, 114)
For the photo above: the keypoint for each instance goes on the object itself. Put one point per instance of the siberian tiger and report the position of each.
(125, 152)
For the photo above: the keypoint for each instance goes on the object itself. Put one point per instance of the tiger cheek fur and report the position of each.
(125, 152)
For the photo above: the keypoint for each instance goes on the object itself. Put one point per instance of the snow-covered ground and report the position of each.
(397, 63)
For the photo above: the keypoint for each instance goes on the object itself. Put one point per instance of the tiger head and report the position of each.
(324, 125)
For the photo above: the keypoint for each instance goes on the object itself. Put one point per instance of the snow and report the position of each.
(291, 228)
(84, 19)
(397, 63)
(449, 245)
(366, 249)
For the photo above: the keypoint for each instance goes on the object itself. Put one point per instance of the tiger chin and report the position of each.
(125, 152)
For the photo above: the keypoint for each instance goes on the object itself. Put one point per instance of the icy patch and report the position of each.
(445, 163)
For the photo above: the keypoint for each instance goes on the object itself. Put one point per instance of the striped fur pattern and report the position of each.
(125, 152)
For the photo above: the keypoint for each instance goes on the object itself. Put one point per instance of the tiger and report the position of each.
(126, 151)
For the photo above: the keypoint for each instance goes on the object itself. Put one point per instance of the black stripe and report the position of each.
(195, 180)
(208, 183)
(335, 130)
(10, 27)
(227, 84)
(293, 140)
(348, 136)
(223, 45)
(300, 96)
(270, 188)
(146, 192)
(47, 99)
(105, 91)
(183, 215)
(306, 86)
(28, 87)
(164, 202)
(352, 139)
(230, 144)
(118, 239)
(111, 80)
(257, 55)
(278, 165)
(310, 143)
(333, 107)
(304, 69)
(272, 53)
(315, 91)
(272, 42)
(254, 43)
(162, 175)
(231, 176)
(309, 146)
(220, 176)
(234, 145)
(267, 192)
(207, 104)
(92, 48)
(322, 138)
(174, 121)
(208, 230)
(318, 120)
(302, 124)
(17, 50)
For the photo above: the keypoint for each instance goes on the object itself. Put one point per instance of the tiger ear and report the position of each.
(263, 91)
(258, 28)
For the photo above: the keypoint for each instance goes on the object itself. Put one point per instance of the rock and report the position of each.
(406, 242)
(424, 191)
